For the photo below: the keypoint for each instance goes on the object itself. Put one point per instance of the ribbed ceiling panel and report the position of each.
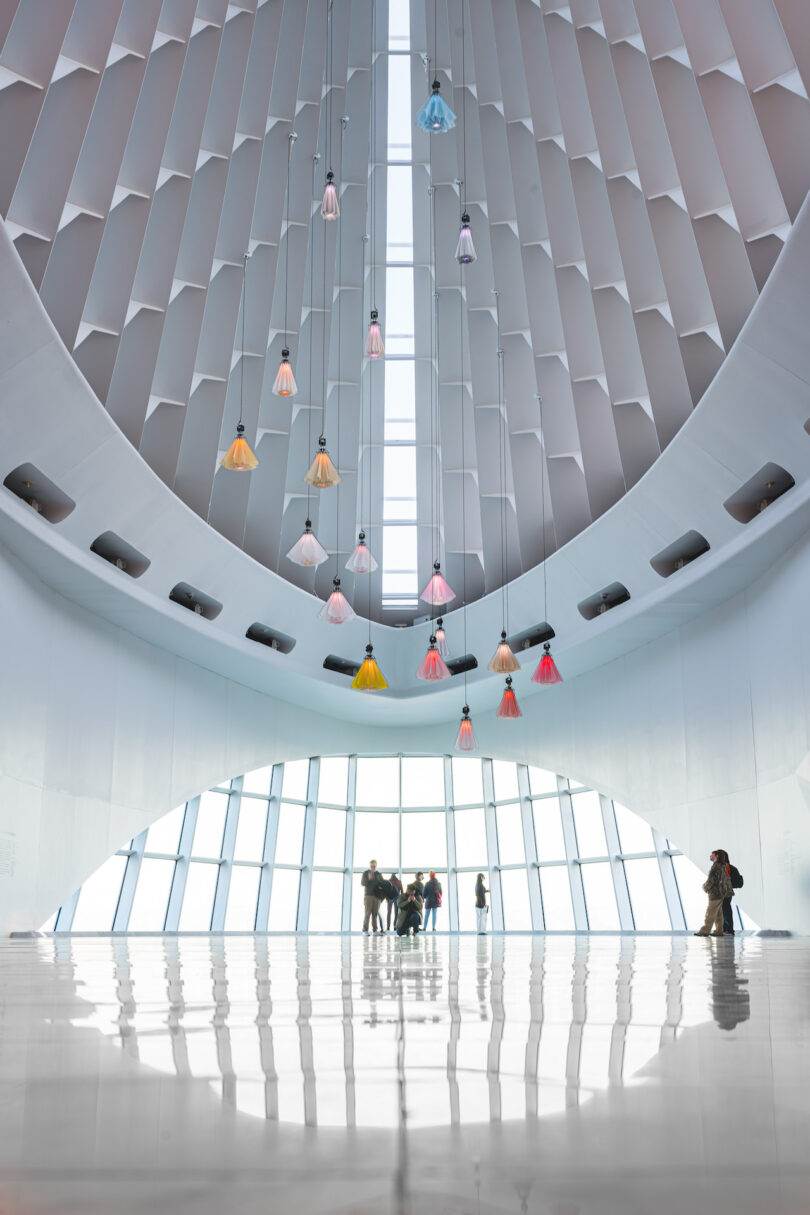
(632, 170)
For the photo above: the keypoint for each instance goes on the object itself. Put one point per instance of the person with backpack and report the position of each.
(432, 895)
(396, 888)
(728, 914)
(718, 887)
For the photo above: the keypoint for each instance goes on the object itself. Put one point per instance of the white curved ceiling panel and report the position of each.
(633, 168)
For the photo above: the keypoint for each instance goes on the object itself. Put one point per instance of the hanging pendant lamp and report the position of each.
(374, 343)
(337, 609)
(466, 740)
(503, 660)
(438, 591)
(329, 207)
(239, 457)
(369, 678)
(308, 550)
(441, 639)
(284, 384)
(433, 666)
(547, 672)
(361, 560)
(509, 706)
(322, 473)
(465, 249)
(435, 116)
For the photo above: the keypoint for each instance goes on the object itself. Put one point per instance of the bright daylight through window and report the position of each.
(283, 848)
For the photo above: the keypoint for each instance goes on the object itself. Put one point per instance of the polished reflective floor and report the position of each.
(564, 1075)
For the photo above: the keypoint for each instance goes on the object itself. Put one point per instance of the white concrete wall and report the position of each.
(704, 732)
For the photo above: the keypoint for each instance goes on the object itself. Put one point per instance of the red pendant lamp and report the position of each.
(547, 673)
(465, 739)
(433, 666)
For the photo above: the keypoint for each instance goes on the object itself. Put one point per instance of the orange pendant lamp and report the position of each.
(239, 457)
(369, 678)
(509, 706)
(465, 739)
(322, 473)
(284, 384)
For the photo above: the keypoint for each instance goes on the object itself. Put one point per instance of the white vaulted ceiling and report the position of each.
(633, 170)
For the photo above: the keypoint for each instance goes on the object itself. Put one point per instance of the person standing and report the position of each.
(481, 908)
(370, 881)
(392, 900)
(432, 895)
(718, 887)
(728, 914)
(419, 884)
(409, 911)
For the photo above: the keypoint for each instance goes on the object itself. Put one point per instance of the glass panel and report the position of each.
(600, 898)
(634, 834)
(548, 831)
(504, 777)
(465, 887)
(378, 782)
(400, 385)
(423, 781)
(510, 835)
(325, 902)
(399, 24)
(284, 900)
(471, 839)
(258, 781)
(376, 836)
(210, 825)
(556, 891)
(164, 835)
(589, 825)
(399, 226)
(290, 839)
(98, 897)
(517, 916)
(399, 472)
(198, 899)
(250, 831)
(424, 841)
(399, 547)
(240, 914)
(399, 108)
(151, 896)
(296, 775)
(330, 837)
(649, 904)
(468, 783)
(541, 781)
(334, 779)
(690, 886)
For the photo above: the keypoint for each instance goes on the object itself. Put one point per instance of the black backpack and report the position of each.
(384, 890)
(736, 877)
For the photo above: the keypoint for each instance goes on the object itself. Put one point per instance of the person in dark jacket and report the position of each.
(370, 881)
(392, 900)
(432, 895)
(481, 893)
(728, 914)
(718, 887)
(409, 911)
(419, 884)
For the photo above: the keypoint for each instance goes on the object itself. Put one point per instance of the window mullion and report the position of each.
(178, 886)
(348, 851)
(572, 856)
(308, 845)
(620, 889)
(266, 880)
(491, 828)
(226, 853)
(130, 881)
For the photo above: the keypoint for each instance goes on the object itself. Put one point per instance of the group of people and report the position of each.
(723, 879)
(406, 905)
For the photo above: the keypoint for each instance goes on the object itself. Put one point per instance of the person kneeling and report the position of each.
(409, 911)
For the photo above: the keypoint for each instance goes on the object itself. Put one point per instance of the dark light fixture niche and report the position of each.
(759, 492)
(264, 635)
(196, 601)
(676, 556)
(603, 601)
(120, 554)
(536, 635)
(40, 493)
(341, 666)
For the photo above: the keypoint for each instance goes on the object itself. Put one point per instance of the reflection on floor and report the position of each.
(566, 1075)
